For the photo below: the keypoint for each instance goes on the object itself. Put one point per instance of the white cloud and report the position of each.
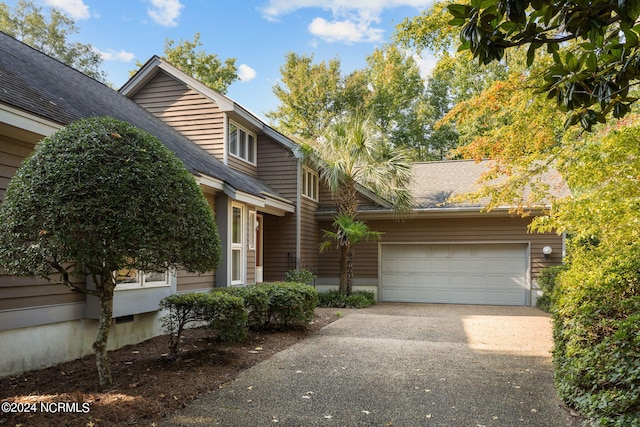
(346, 31)
(246, 73)
(352, 20)
(74, 8)
(165, 12)
(112, 55)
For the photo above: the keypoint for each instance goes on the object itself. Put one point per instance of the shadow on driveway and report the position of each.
(400, 365)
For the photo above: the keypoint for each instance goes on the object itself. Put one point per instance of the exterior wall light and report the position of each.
(547, 251)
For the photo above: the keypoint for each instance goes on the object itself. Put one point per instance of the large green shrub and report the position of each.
(290, 303)
(547, 282)
(256, 302)
(597, 335)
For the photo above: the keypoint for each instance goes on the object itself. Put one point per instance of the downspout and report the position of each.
(298, 206)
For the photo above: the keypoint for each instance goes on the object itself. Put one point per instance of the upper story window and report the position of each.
(309, 183)
(242, 143)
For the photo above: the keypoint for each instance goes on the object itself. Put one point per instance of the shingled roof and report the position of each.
(434, 183)
(40, 85)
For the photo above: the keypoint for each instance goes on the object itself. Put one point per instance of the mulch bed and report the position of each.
(147, 387)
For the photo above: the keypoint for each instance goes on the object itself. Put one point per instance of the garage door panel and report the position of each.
(455, 273)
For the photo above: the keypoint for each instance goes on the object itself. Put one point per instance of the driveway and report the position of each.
(400, 365)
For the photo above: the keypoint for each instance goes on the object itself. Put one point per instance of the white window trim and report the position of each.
(241, 247)
(306, 171)
(252, 230)
(142, 283)
(255, 144)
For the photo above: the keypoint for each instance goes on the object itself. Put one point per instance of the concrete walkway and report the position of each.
(400, 365)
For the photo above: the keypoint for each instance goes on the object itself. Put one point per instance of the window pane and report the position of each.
(127, 275)
(233, 139)
(251, 156)
(304, 182)
(242, 144)
(155, 276)
(237, 226)
(236, 264)
(314, 187)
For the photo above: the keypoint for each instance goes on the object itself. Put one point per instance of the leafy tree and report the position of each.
(99, 196)
(309, 96)
(348, 232)
(352, 153)
(592, 78)
(204, 67)
(313, 96)
(50, 35)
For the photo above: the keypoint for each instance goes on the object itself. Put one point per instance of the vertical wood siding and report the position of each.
(444, 230)
(189, 112)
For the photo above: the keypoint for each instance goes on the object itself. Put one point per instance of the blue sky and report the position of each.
(257, 33)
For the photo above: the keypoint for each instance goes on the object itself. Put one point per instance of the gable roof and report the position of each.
(35, 83)
(156, 64)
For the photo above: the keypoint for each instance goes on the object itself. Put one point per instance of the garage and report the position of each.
(482, 273)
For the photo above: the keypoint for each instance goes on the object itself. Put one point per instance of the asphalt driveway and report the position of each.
(400, 365)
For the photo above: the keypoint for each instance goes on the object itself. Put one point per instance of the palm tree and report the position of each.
(350, 154)
(348, 232)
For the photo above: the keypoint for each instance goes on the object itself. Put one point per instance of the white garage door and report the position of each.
(455, 273)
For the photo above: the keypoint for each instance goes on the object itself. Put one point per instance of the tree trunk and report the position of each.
(344, 259)
(105, 293)
(349, 271)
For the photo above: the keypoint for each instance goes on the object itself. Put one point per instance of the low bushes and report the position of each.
(596, 312)
(231, 311)
(357, 299)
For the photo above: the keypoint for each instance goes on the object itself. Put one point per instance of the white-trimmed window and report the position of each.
(242, 143)
(309, 183)
(237, 245)
(131, 278)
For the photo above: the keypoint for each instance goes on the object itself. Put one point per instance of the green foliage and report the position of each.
(50, 35)
(224, 313)
(357, 299)
(300, 276)
(348, 232)
(596, 339)
(205, 67)
(290, 303)
(256, 301)
(547, 282)
(592, 77)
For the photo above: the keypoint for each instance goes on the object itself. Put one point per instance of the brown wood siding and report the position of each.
(189, 112)
(277, 167)
(279, 243)
(12, 153)
(242, 166)
(22, 292)
(186, 281)
(327, 201)
(309, 235)
(462, 230)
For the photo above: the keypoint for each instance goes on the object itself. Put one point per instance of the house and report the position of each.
(270, 210)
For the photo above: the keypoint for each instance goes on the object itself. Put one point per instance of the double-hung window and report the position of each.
(309, 183)
(237, 245)
(242, 143)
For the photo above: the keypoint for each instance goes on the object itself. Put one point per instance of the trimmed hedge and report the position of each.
(231, 311)
(357, 299)
(223, 312)
(596, 313)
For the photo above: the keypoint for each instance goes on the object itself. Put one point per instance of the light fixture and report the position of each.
(547, 251)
